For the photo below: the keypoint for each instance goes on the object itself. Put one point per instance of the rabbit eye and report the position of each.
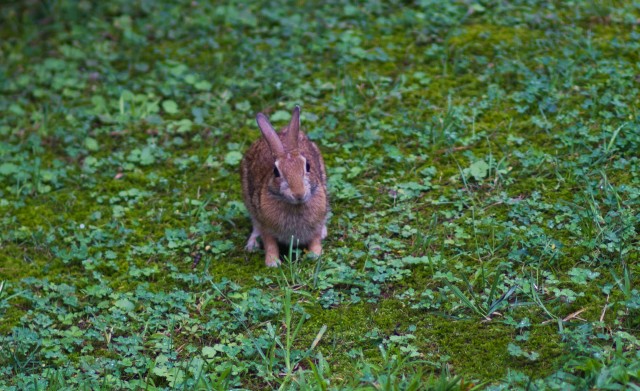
(276, 173)
(308, 167)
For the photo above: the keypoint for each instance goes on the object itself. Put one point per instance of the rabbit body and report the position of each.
(284, 187)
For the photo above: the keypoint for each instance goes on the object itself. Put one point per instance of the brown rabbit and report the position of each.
(284, 186)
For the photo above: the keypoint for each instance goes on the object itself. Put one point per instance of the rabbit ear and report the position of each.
(294, 128)
(269, 134)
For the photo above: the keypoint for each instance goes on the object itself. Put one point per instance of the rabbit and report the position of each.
(284, 187)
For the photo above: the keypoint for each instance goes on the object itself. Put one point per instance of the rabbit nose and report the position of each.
(300, 197)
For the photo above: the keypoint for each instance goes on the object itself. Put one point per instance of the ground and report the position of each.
(484, 174)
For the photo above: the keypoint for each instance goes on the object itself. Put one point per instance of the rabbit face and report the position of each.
(290, 180)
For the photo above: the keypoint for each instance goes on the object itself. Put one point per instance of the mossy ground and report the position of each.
(484, 176)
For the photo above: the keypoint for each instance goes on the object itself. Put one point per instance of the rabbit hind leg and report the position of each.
(252, 243)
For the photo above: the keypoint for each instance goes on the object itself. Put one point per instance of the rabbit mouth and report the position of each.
(291, 199)
(299, 200)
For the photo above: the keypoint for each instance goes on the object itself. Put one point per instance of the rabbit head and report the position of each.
(291, 180)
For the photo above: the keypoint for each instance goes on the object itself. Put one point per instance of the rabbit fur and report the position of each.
(284, 187)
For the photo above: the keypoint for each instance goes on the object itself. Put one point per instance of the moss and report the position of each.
(481, 39)
(476, 350)
(486, 357)
(12, 315)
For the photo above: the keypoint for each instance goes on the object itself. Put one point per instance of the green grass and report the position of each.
(484, 178)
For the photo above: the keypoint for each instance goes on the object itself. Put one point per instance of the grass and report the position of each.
(483, 172)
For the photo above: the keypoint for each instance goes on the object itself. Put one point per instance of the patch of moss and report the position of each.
(476, 349)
